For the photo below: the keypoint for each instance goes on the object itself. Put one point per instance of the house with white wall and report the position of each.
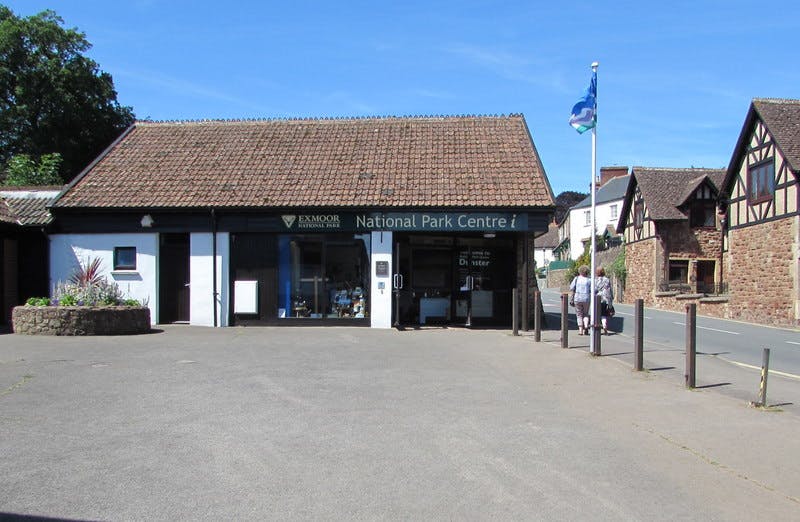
(608, 204)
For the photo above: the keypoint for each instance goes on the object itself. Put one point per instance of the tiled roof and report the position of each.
(664, 190)
(468, 161)
(26, 205)
(782, 118)
(613, 189)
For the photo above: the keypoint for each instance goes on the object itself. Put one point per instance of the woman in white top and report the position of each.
(581, 287)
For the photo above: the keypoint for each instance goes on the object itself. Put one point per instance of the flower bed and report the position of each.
(80, 320)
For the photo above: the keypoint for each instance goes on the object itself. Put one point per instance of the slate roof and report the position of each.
(26, 206)
(549, 239)
(666, 189)
(467, 161)
(613, 189)
(782, 118)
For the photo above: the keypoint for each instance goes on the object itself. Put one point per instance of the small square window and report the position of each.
(587, 217)
(614, 211)
(124, 258)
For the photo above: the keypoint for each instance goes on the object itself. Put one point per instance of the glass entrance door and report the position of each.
(474, 285)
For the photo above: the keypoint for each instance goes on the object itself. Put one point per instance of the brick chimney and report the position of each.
(608, 173)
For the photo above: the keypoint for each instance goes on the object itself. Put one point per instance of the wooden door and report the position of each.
(173, 281)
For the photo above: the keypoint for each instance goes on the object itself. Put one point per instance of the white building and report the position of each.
(608, 204)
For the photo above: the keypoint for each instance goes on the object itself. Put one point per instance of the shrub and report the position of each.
(88, 287)
(38, 301)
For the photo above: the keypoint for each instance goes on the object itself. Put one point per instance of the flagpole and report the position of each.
(592, 311)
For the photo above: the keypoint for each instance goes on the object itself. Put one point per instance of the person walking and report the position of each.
(602, 286)
(581, 288)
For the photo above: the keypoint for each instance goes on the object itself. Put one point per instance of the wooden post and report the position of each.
(638, 335)
(525, 285)
(691, 344)
(596, 351)
(537, 316)
(564, 323)
(514, 311)
(762, 395)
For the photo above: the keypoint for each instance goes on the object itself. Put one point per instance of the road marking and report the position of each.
(776, 372)
(707, 328)
(632, 315)
(792, 342)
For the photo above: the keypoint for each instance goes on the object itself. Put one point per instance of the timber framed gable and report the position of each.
(638, 225)
(764, 187)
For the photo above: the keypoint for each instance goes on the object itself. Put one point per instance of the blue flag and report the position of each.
(584, 113)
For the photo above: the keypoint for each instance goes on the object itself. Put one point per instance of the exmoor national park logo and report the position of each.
(289, 220)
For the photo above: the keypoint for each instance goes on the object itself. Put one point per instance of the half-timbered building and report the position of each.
(672, 235)
(760, 195)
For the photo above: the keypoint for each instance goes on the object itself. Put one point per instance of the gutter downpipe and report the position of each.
(214, 262)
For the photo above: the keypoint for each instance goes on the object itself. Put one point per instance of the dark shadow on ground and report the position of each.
(712, 385)
(660, 369)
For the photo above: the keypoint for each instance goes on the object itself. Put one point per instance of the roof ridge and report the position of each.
(793, 101)
(329, 118)
(688, 169)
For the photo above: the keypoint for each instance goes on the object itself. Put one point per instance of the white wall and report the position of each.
(381, 299)
(543, 256)
(68, 251)
(201, 279)
(579, 231)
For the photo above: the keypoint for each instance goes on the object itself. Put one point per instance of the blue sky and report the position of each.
(674, 83)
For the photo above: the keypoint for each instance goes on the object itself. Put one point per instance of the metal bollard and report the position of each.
(638, 335)
(514, 311)
(691, 344)
(564, 323)
(537, 316)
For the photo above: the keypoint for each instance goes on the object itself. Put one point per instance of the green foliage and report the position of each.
(87, 287)
(38, 301)
(52, 97)
(131, 302)
(617, 267)
(67, 300)
(24, 171)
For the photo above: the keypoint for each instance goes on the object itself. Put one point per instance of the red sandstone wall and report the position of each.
(761, 269)
(640, 264)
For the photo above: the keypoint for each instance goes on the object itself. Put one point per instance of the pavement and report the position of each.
(355, 423)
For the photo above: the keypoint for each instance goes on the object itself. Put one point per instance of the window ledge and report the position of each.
(716, 299)
(666, 294)
(124, 272)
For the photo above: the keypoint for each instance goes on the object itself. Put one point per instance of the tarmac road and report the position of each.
(354, 423)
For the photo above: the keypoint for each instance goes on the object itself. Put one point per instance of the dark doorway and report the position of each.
(173, 278)
(705, 276)
(254, 258)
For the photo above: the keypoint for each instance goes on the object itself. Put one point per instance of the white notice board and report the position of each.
(245, 297)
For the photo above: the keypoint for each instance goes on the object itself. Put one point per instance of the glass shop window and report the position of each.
(324, 277)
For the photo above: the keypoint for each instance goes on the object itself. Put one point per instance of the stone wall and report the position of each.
(640, 263)
(683, 242)
(709, 306)
(80, 320)
(761, 271)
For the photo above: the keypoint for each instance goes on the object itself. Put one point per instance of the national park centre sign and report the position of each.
(413, 221)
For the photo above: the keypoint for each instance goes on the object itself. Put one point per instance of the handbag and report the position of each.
(572, 300)
(611, 311)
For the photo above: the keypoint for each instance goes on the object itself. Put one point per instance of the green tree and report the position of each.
(53, 99)
(23, 170)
